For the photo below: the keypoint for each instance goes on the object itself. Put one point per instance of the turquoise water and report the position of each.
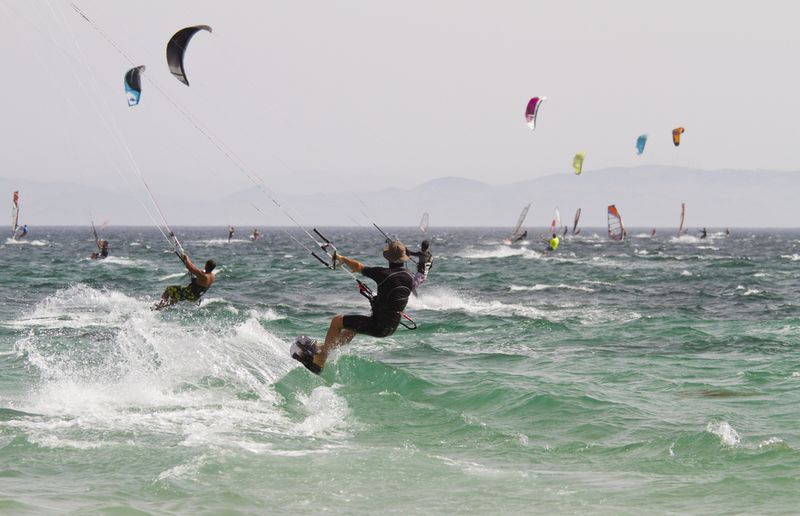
(656, 375)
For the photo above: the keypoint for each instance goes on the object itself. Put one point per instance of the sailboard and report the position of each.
(683, 216)
(616, 229)
(516, 233)
(575, 229)
(14, 213)
(423, 223)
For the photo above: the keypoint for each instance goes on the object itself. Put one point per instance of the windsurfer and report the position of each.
(553, 243)
(522, 236)
(23, 232)
(201, 281)
(394, 288)
(424, 263)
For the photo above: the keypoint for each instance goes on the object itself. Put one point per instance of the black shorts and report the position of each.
(381, 326)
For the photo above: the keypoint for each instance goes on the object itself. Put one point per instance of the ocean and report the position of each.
(656, 375)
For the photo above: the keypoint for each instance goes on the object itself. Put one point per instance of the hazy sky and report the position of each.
(355, 95)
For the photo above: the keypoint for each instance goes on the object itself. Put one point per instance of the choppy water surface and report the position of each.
(659, 374)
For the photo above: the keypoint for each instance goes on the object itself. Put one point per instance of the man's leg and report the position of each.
(167, 298)
(336, 336)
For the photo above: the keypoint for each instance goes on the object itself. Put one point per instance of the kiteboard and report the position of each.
(303, 350)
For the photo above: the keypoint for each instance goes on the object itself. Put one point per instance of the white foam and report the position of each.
(150, 374)
(749, 291)
(500, 252)
(771, 442)
(190, 469)
(726, 433)
(684, 239)
(327, 412)
(265, 315)
(793, 257)
(79, 306)
(442, 299)
(37, 243)
(123, 260)
(542, 286)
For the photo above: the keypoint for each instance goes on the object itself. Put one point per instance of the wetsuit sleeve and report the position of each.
(414, 253)
(373, 273)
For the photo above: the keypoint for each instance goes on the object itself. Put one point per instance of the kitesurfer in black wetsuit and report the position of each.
(704, 233)
(424, 263)
(231, 231)
(394, 288)
(201, 281)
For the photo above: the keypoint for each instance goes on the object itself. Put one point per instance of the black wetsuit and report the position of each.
(424, 259)
(394, 287)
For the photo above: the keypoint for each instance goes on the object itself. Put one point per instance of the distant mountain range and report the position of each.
(646, 196)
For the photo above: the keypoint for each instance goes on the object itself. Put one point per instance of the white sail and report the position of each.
(555, 225)
(683, 216)
(521, 219)
(423, 224)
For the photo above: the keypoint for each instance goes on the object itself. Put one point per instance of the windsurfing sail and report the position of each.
(683, 216)
(577, 162)
(176, 48)
(532, 111)
(14, 213)
(516, 234)
(133, 85)
(575, 229)
(556, 222)
(676, 135)
(641, 141)
(423, 224)
(616, 229)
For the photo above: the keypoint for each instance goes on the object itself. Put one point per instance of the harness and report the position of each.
(405, 321)
(197, 289)
(330, 250)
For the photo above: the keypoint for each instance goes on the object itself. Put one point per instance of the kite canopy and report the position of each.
(532, 111)
(133, 85)
(676, 135)
(176, 48)
(577, 162)
(640, 143)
